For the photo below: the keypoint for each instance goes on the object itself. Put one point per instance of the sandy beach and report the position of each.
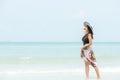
(38, 72)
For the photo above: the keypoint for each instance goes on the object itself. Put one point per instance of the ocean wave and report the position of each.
(72, 71)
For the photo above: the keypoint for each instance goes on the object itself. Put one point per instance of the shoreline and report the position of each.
(52, 71)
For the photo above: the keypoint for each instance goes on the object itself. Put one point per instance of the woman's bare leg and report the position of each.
(97, 72)
(87, 69)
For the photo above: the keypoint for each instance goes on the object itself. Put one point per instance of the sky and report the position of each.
(58, 20)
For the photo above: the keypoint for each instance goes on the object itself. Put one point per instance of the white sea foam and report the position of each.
(56, 71)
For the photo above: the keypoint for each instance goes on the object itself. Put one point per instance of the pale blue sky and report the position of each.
(58, 20)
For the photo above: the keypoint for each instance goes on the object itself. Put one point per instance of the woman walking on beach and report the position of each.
(87, 52)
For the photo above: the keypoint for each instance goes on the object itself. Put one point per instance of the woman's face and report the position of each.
(85, 29)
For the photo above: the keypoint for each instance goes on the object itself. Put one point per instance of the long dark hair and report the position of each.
(89, 27)
(90, 30)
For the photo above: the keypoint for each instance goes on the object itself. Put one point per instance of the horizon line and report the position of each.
(54, 42)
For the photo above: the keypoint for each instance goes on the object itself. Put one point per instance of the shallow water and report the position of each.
(55, 61)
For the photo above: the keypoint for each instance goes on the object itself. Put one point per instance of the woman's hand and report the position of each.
(83, 47)
(81, 52)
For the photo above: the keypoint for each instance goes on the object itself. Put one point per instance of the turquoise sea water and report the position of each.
(22, 59)
(34, 52)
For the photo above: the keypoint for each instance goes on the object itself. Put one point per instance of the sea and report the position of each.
(56, 61)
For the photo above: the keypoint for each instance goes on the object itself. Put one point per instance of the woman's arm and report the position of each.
(90, 42)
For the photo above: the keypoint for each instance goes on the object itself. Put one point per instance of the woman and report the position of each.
(87, 52)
